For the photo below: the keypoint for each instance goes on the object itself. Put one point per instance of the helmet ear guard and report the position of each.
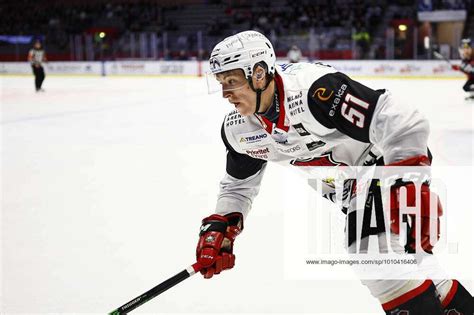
(262, 72)
(261, 75)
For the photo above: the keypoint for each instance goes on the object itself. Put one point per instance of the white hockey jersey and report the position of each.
(324, 118)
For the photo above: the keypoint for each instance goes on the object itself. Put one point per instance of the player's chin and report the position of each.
(245, 111)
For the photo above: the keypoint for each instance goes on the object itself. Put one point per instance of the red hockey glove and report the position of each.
(425, 216)
(214, 250)
(455, 67)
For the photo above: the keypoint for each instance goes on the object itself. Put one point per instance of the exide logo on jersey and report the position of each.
(337, 99)
(320, 94)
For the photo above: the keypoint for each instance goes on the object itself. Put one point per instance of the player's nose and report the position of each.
(226, 94)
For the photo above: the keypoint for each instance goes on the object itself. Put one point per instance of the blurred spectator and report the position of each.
(362, 39)
(425, 5)
(62, 22)
(182, 42)
(182, 55)
(294, 54)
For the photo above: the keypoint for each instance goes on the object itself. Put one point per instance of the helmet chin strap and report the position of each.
(259, 92)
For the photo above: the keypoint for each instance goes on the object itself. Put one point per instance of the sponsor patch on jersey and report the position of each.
(234, 119)
(315, 144)
(337, 99)
(261, 153)
(279, 135)
(254, 137)
(290, 150)
(322, 94)
(301, 130)
(295, 103)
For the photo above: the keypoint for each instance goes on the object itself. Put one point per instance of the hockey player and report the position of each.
(36, 57)
(467, 66)
(311, 115)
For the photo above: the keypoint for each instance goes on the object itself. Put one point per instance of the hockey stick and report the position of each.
(441, 57)
(157, 290)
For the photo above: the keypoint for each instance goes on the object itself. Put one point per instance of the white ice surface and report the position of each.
(105, 181)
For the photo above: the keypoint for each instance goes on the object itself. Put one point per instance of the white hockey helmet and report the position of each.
(465, 49)
(243, 51)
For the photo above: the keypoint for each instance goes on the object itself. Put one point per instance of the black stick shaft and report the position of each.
(157, 290)
(441, 57)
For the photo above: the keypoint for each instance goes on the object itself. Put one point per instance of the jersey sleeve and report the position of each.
(467, 67)
(338, 102)
(371, 116)
(241, 183)
(399, 130)
(239, 165)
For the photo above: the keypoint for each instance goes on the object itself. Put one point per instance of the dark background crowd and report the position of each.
(187, 29)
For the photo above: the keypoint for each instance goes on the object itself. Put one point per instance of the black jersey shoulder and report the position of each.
(338, 102)
(239, 165)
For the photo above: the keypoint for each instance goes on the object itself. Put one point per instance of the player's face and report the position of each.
(466, 53)
(237, 91)
(37, 45)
